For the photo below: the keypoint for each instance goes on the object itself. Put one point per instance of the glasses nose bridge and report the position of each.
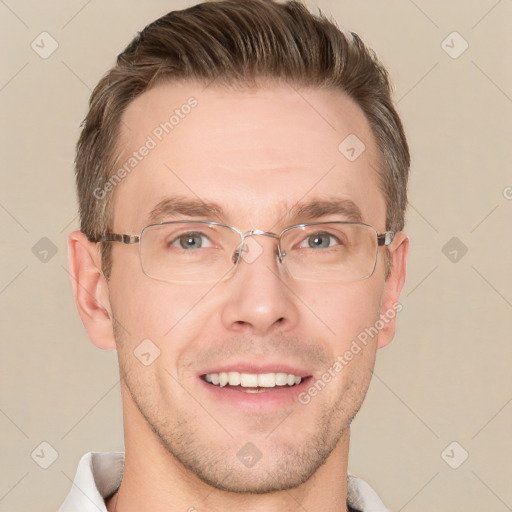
(253, 232)
(259, 232)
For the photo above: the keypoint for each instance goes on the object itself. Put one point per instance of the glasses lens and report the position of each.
(188, 251)
(330, 251)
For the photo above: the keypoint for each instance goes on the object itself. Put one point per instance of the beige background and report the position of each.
(445, 378)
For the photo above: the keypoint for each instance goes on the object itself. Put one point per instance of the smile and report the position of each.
(252, 382)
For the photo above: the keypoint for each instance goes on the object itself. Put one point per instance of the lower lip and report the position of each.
(271, 399)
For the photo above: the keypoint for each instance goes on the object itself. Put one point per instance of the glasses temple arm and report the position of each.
(124, 239)
(386, 238)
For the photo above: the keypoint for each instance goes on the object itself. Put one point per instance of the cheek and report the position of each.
(351, 312)
(156, 317)
(145, 307)
(346, 310)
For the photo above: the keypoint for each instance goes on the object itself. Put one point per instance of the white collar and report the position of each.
(99, 476)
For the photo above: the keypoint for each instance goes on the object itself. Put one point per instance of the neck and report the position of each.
(153, 479)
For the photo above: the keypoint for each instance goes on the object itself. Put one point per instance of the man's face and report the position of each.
(255, 154)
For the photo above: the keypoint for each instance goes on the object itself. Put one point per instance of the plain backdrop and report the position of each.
(435, 430)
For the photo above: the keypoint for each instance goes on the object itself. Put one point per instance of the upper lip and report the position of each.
(248, 367)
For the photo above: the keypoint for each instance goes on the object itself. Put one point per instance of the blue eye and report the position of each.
(320, 240)
(191, 241)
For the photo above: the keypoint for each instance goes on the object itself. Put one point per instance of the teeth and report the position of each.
(223, 379)
(253, 380)
(249, 380)
(234, 378)
(267, 380)
(281, 379)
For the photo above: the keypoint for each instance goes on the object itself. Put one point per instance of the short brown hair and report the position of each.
(237, 42)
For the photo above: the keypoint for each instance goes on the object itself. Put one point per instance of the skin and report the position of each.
(273, 146)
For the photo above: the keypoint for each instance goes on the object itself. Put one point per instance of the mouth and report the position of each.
(253, 382)
(255, 387)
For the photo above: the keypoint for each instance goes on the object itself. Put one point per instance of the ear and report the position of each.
(390, 305)
(90, 290)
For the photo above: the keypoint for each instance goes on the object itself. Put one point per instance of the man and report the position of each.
(242, 184)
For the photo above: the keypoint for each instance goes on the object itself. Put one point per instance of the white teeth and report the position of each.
(234, 378)
(266, 380)
(223, 379)
(281, 379)
(249, 380)
(253, 380)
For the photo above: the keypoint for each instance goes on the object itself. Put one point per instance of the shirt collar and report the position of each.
(99, 476)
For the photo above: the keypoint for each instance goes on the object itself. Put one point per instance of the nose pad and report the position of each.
(249, 251)
(236, 256)
(280, 254)
(252, 250)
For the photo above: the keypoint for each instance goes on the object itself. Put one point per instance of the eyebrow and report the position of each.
(190, 207)
(321, 207)
(176, 206)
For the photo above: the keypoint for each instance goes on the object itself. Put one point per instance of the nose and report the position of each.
(258, 296)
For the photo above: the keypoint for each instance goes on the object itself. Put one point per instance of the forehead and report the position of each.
(256, 153)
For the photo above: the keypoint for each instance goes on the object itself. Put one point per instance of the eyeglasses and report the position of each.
(204, 251)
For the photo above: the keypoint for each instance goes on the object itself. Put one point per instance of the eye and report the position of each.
(320, 240)
(191, 241)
